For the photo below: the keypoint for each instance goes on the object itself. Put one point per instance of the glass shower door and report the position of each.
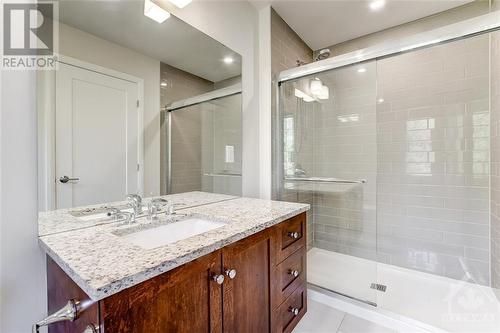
(205, 147)
(328, 151)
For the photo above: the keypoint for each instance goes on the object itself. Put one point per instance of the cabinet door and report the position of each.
(246, 297)
(186, 299)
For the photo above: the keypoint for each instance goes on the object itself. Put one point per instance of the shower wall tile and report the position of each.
(495, 159)
(434, 172)
(345, 147)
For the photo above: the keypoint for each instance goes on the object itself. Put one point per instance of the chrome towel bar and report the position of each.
(326, 180)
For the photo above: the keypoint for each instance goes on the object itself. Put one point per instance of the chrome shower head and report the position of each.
(322, 54)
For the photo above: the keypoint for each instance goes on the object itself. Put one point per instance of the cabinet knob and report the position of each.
(294, 273)
(294, 235)
(219, 278)
(295, 311)
(231, 273)
(91, 328)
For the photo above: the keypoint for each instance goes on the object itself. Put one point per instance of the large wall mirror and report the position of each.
(136, 106)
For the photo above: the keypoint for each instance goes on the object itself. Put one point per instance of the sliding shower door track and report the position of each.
(344, 295)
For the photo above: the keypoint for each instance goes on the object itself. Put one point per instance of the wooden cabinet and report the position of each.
(186, 299)
(264, 290)
(247, 303)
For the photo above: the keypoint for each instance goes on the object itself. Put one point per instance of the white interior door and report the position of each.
(97, 133)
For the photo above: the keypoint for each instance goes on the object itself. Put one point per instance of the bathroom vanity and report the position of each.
(247, 274)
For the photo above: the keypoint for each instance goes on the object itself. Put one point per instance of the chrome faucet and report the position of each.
(135, 202)
(118, 214)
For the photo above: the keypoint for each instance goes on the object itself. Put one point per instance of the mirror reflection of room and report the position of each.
(139, 108)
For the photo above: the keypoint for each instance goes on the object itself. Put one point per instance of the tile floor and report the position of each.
(321, 318)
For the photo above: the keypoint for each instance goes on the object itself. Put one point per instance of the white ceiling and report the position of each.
(324, 23)
(173, 42)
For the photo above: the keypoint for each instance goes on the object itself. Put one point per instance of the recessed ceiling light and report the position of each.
(180, 3)
(228, 60)
(377, 5)
(361, 70)
(155, 12)
(163, 84)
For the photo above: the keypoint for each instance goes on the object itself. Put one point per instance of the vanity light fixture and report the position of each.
(325, 93)
(180, 3)
(155, 12)
(228, 60)
(163, 84)
(377, 5)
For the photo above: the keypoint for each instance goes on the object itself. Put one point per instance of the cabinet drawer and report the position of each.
(292, 236)
(291, 311)
(290, 274)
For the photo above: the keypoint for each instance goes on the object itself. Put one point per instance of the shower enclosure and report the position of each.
(396, 149)
(203, 143)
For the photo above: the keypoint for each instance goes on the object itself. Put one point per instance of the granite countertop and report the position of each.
(103, 263)
(63, 220)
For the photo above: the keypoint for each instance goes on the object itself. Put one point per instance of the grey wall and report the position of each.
(22, 267)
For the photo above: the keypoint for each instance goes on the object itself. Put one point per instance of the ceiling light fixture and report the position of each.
(361, 70)
(155, 12)
(377, 5)
(228, 60)
(180, 3)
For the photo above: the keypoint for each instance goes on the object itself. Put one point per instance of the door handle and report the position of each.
(65, 179)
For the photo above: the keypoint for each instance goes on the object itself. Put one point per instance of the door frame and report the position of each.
(46, 113)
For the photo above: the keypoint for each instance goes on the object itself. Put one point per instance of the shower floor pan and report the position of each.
(447, 304)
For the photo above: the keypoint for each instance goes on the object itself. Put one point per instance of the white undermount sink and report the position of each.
(172, 232)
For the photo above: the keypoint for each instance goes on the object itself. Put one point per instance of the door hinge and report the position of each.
(138, 166)
(137, 103)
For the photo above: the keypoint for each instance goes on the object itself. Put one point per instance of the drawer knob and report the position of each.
(219, 278)
(294, 235)
(91, 328)
(231, 273)
(294, 273)
(295, 311)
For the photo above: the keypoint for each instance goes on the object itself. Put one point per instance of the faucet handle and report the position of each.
(136, 202)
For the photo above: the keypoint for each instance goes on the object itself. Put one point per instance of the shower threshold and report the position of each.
(344, 295)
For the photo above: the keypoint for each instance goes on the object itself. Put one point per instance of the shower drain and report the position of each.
(379, 287)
